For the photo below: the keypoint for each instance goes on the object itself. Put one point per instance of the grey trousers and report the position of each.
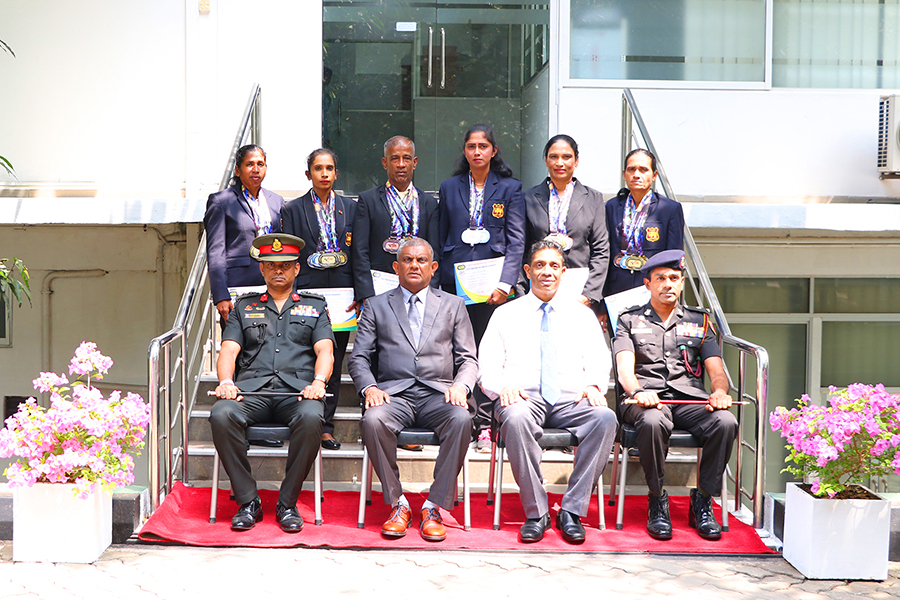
(716, 430)
(521, 425)
(423, 407)
(229, 419)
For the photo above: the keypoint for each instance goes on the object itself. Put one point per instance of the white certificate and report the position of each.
(572, 283)
(237, 292)
(383, 282)
(336, 301)
(477, 279)
(618, 303)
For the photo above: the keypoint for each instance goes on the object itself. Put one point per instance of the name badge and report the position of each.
(476, 236)
(641, 330)
(255, 315)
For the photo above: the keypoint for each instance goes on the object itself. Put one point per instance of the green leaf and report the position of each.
(7, 166)
(6, 47)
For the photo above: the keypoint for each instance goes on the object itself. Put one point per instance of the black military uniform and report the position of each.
(668, 360)
(276, 355)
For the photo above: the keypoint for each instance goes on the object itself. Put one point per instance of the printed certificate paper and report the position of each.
(617, 303)
(475, 280)
(384, 282)
(337, 300)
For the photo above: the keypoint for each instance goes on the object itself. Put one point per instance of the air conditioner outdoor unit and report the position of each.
(889, 135)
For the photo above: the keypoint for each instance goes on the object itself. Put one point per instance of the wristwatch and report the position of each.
(635, 392)
(321, 378)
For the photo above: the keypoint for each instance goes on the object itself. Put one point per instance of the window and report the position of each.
(5, 323)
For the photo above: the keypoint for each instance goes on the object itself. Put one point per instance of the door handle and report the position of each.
(430, 54)
(443, 58)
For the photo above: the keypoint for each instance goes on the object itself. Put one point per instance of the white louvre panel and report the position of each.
(888, 141)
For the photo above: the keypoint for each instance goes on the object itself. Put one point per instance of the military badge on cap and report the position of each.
(276, 247)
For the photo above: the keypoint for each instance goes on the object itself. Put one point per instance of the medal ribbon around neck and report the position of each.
(633, 224)
(262, 219)
(559, 207)
(404, 217)
(328, 241)
(476, 204)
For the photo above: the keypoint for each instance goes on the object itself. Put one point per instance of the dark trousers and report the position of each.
(479, 315)
(716, 431)
(419, 406)
(341, 339)
(229, 419)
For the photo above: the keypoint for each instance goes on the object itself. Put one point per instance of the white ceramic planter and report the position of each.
(50, 524)
(836, 539)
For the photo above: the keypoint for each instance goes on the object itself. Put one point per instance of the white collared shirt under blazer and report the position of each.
(510, 351)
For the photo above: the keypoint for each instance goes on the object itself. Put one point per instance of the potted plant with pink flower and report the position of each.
(71, 456)
(835, 527)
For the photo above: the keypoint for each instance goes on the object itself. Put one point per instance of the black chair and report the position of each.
(551, 438)
(268, 432)
(410, 437)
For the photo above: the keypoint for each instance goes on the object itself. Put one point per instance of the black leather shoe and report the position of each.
(247, 515)
(659, 525)
(532, 530)
(288, 519)
(569, 524)
(331, 444)
(701, 516)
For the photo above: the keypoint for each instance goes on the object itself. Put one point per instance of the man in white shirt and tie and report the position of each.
(545, 363)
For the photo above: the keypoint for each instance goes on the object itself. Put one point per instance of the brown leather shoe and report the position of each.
(397, 524)
(431, 526)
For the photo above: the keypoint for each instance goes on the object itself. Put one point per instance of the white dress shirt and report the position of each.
(510, 351)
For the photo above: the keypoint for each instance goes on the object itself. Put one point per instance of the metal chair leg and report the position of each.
(317, 478)
(498, 490)
(617, 447)
(371, 481)
(467, 505)
(620, 510)
(363, 491)
(602, 518)
(725, 500)
(214, 491)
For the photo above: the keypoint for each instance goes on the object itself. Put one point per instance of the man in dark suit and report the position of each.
(414, 362)
(278, 343)
(231, 226)
(387, 214)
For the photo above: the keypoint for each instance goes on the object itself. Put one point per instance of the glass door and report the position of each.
(429, 70)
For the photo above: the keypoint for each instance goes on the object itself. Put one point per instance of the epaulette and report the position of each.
(313, 296)
(698, 309)
(635, 308)
(248, 295)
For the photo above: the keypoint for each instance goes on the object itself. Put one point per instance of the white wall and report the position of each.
(143, 99)
(772, 146)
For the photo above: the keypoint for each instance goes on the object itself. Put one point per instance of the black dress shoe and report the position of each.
(701, 516)
(569, 524)
(659, 525)
(247, 515)
(532, 530)
(331, 444)
(288, 519)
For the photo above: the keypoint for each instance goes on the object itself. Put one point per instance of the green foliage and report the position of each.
(14, 280)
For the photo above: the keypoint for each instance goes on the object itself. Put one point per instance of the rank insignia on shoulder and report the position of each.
(312, 295)
(295, 297)
(304, 310)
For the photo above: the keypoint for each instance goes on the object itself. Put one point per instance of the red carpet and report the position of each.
(184, 514)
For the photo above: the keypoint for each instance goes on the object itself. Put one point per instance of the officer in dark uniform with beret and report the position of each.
(662, 349)
(279, 341)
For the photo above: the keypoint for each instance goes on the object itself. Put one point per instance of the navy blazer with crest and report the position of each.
(663, 230)
(585, 224)
(503, 217)
(372, 225)
(230, 231)
(298, 217)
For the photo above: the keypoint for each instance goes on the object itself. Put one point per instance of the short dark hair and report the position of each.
(545, 245)
(646, 153)
(413, 242)
(561, 138)
(396, 141)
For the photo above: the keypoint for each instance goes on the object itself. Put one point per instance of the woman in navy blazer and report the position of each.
(234, 217)
(482, 183)
(661, 227)
(299, 217)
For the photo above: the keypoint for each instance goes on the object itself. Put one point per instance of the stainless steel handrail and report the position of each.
(169, 360)
(706, 296)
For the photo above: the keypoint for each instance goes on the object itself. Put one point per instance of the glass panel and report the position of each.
(851, 295)
(4, 322)
(762, 295)
(836, 43)
(860, 352)
(668, 40)
(786, 345)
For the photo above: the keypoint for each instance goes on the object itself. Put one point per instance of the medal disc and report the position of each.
(634, 263)
(561, 239)
(391, 245)
(327, 260)
(475, 236)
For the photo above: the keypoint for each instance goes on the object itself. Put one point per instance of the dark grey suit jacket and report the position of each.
(384, 355)
(586, 225)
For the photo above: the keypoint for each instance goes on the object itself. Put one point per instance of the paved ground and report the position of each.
(169, 572)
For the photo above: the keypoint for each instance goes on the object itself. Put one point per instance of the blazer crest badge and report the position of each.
(653, 234)
(497, 211)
